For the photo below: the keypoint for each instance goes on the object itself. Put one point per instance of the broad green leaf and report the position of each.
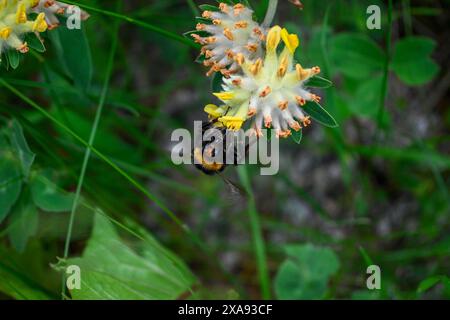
(366, 100)
(305, 274)
(23, 222)
(74, 52)
(297, 135)
(20, 147)
(356, 55)
(412, 62)
(318, 82)
(319, 114)
(113, 270)
(47, 195)
(34, 42)
(10, 179)
(13, 58)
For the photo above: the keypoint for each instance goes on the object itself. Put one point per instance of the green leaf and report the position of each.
(17, 287)
(297, 135)
(217, 81)
(75, 54)
(10, 179)
(368, 261)
(366, 100)
(411, 61)
(23, 223)
(112, 270)
(13, 58)
(34, 42)
(356, 55)
(430, 282)
(21, 148)
(318, 82)
(203, 20)
(306, 272)
(319, 114)
(208, 7)
(21, 274)
(46, 194)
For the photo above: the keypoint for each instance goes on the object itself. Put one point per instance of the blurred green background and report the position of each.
(375, 190)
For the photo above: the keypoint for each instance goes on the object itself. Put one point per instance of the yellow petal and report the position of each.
(273, 38)
(213, 110)
(232, 122)
(39, 24)
(5, 32)
(21, 14)
(290, 40)
(224, 95)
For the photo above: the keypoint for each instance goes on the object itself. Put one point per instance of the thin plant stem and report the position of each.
(385, 79)
(142, 24)
(258, 240)
(407, 16)
(270, 14)
(88, 150)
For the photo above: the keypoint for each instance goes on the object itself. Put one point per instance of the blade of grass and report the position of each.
(193, 7)
(139, 23)
(260, 250)
(88, 151)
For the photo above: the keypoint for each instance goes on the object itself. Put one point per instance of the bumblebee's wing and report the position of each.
(236, 192)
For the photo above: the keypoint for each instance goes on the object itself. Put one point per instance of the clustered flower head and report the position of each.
(15, 20)
(270, 90)
(15, 23)
(261, 80)
(231, 32)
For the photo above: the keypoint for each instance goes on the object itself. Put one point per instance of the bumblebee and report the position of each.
(207, 166)
(216, 168)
